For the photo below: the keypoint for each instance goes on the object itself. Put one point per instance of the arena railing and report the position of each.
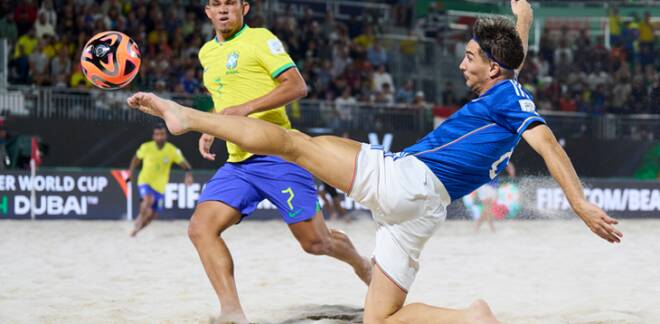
(340, 9)
(319, 116)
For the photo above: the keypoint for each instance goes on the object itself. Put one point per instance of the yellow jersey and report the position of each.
(243, 68)
(646, 32)
(156, 164)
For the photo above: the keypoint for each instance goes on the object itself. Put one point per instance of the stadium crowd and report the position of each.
(343, 61)
(577, 72)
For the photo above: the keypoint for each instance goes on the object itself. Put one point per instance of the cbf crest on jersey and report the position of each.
(232, 63)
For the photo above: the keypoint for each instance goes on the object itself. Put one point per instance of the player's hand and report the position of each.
(189, 179)
(599, 223)
(240, 110)
(522, 10)
(205, 143)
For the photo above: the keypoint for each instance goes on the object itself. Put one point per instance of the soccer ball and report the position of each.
(110, 60)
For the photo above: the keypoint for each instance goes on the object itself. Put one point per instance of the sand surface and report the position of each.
(529, 271)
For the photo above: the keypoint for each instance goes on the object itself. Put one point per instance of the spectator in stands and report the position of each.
(408, 50)
(377, 54)
(598, 76)
(638, 95)
(27, 42)
(60, 65)
(48, 10)
(563, 50)
(406, 93)
(344, 106)
(630, 38)
(382, 78)
(614, 21)
(621, 94)
(646, 40)
(340, 60)
(25, 15)
(77, 80)
(419, 102)
(366, 39)
(568, 103)
(19, 66)
(8, 28)
(39, 64)
(384, 96)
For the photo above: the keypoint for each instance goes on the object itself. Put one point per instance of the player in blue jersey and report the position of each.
(408, 192)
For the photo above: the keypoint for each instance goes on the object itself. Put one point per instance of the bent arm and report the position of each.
(135, 162)
(291, 87)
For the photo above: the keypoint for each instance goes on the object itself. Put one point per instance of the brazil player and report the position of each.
(248, 73)
(408, 192)
(157, 157)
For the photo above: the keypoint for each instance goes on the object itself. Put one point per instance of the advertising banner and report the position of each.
(62, 195)
(542, 198)
(103, 194)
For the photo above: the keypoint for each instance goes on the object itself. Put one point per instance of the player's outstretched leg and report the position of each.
(330, 158)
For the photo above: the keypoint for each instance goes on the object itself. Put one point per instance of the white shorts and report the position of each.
(407, 201)
(487, 192)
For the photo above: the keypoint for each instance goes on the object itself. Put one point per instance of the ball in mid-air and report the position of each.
(110, 60)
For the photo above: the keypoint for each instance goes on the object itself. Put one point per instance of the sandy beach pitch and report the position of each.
(547, 271)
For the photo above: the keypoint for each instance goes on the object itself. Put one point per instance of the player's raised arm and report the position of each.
(291, 87)
(543, 141)
(524, 18)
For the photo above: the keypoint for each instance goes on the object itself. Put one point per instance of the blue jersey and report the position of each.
(475, 144)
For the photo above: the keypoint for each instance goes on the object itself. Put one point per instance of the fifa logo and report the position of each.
(232, 63)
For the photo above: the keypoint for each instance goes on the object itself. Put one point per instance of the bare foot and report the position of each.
(230, 319)
(479, 312)
(173, 114)
(364, 267)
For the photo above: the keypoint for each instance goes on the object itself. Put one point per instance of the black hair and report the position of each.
(499, 41)
(160, 126)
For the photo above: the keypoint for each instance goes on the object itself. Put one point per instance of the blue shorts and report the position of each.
(159, 198)
(245, 184)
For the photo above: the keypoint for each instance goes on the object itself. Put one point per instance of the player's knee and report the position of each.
(199, 230)
(316, 246)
